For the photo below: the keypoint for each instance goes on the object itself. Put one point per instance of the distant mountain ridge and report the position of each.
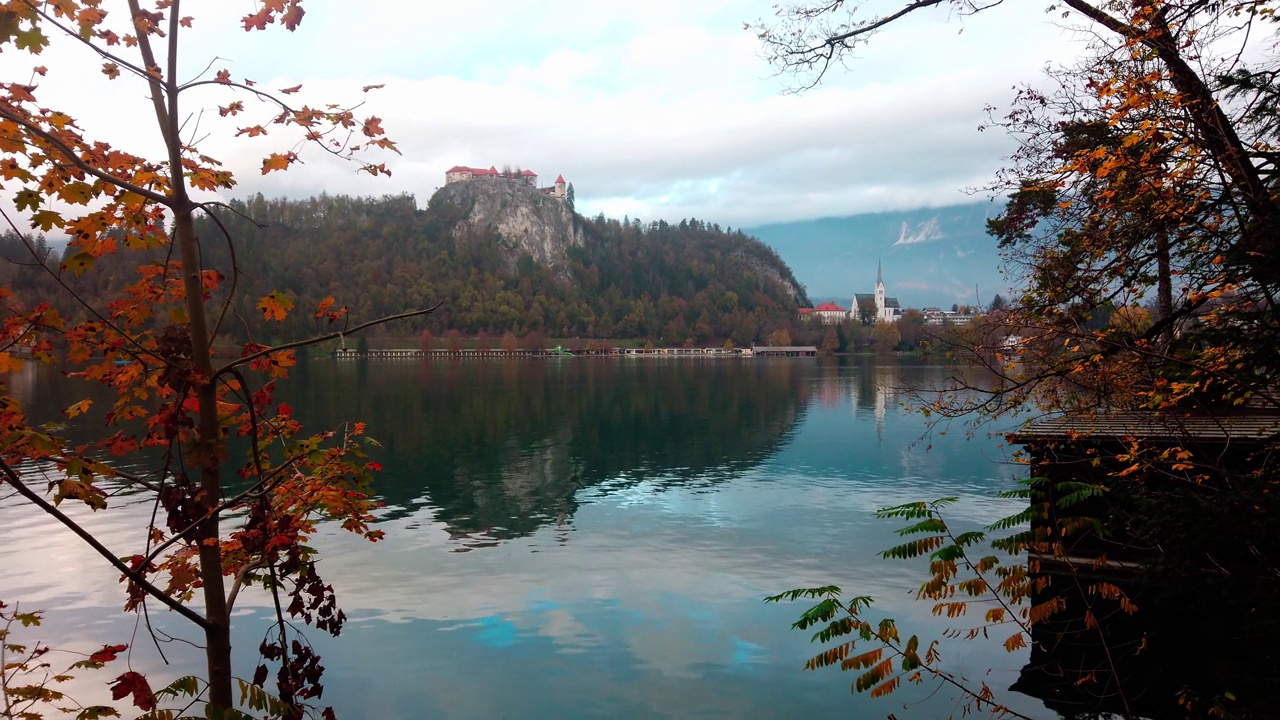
(931, 256)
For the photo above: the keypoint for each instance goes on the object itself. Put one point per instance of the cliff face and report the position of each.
(770, 272)
(528, 222)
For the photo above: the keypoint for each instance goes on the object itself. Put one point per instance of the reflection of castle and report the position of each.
(462, 173)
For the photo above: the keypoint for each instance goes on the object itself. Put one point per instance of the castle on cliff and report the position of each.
(460, 173)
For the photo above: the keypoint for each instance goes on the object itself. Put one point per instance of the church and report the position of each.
(879, 307)
(887, 309)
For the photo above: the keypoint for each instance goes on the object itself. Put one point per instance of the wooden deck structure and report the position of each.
(668, 352)
(784, 351)
(1185, 462)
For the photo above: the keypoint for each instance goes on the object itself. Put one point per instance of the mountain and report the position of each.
(499, 257)
(930, 257)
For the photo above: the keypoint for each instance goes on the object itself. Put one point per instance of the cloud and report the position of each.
(656, 110)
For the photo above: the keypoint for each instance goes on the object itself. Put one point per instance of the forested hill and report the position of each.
(379, 256)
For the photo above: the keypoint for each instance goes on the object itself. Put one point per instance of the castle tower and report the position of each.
(559, 188)
(880, 314)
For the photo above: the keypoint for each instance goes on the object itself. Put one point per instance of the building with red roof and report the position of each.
(828, 313)
(462, 173)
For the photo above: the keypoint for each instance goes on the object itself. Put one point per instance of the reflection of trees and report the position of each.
(501, 448)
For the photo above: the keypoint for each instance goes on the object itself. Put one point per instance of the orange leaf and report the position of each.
(276, 161)
(79, 408)
(275, 306)
(9, 363)
(290, 90)
(292, 16)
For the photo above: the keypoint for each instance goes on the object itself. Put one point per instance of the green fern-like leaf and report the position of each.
(932, 524)
(1021, 517)
(837, 628)
(914, 548)
(793, 595)
(820, 613)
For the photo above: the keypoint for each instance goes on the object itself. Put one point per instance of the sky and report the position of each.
(661, 109)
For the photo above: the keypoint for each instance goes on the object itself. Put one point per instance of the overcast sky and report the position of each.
(655, 109)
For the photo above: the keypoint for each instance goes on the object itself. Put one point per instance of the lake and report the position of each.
(585, 537)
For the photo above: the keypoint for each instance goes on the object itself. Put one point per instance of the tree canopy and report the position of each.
(133, 306)
(1141, 220)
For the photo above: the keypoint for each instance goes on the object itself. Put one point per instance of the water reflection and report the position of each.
(502, 448)
(621, 519)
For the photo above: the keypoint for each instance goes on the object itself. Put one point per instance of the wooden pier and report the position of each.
(418, 353)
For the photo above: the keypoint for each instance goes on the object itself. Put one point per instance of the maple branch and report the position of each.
(10, 113)
(114, 472)
(157, 85)
(313, 136)
(239, 582)
(235, 268)
(13, 479)
(321, 338)
(71, 33)
(57, 278)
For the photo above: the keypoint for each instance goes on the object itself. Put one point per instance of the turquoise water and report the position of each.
(589, 538)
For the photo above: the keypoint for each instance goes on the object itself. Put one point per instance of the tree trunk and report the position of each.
(209, 449)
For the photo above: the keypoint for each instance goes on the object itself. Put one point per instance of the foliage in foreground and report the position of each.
(221, 526)
(1142, 225)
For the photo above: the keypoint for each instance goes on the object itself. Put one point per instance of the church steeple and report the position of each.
(880, 301)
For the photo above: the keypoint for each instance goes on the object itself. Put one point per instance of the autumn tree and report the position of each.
(830, 340)
(867, 311)
(885, 336)
(1144, 173)
(224, 526)
(509, 342)
(454, 341)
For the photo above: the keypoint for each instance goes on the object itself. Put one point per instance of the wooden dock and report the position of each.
(418, 353)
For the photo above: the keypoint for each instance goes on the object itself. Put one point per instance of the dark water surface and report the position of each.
(586, 538)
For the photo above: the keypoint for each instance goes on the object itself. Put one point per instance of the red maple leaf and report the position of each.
(107, 653)
(132, 683)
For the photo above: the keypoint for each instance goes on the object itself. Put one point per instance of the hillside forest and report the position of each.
(685, 283)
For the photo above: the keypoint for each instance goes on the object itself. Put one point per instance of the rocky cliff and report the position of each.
(526, 221)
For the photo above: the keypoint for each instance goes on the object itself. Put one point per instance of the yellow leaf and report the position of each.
(79, 408)
(275, 306)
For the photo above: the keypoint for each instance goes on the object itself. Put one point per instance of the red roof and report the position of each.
(559, 179)
(805, 311)
(829, 307)
(481, 172)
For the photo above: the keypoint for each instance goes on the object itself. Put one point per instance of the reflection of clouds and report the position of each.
(653, 608)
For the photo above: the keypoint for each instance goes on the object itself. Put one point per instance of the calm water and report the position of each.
(586, 538)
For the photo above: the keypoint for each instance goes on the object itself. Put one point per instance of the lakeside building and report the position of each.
(827, 313)
(938, 316)
(462, 173)
(887, 309)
